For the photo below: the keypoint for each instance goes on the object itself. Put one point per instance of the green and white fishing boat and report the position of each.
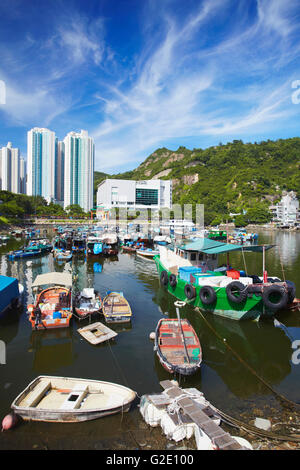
(190, 272)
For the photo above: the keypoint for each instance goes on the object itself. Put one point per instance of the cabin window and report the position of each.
(200, 256)
(185, 255)
(193, 256)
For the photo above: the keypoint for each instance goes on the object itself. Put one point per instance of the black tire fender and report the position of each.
(164, 278)
(291, 291)
(189, 291)
(207, 295)
(173, 280)
(236, 292)
(273, 289)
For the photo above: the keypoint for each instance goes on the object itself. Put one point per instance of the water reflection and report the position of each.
(52, 349)
(263, 347)
(130, 359)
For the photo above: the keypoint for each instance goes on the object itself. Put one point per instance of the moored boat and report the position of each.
(62, 255)
(147, 253)
(87, 303)
(79, 245)
(190, 273)
(52, 306)
(177, 346)
(11, 292)
(71, 400)
(116, 308)
(28, 252)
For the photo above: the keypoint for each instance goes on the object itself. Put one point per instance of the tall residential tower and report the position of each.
(41, 157)
(10, 168)
(79, 156)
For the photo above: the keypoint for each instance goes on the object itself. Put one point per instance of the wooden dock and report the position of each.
(200, 415)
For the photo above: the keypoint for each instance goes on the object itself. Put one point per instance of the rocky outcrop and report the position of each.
(191, 179)
(162, 173)
(173, 158)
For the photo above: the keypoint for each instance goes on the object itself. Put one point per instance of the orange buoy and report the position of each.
(9, 421)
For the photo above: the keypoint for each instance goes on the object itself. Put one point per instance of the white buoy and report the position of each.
(152, 335)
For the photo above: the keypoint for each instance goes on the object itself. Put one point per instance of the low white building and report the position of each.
(286, 212)
(130, 194)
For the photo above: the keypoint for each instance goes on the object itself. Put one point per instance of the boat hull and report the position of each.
(116, 308)
(32, 413)
(252, 308)
(163, 351)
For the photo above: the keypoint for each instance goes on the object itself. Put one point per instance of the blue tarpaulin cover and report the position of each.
(9, 290)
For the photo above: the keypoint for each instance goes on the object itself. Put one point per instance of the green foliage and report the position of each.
(75, 211)
(233, 178)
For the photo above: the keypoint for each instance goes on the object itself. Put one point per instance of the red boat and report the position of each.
(177, 346)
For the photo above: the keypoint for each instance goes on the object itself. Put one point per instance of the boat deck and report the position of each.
(81, 395)
(171, 344)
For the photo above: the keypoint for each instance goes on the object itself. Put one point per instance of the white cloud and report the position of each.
(180, 91)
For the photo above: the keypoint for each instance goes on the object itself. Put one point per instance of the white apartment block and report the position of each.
(286, 212)
(10, 168)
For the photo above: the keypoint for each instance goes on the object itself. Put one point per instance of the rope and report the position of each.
(244, 260)
(118, 366)
(280, 258)
(281, 398)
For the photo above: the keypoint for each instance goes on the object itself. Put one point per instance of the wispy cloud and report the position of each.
(169, 72)
(181, 87)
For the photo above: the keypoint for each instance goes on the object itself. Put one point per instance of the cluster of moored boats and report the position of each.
(189, 270)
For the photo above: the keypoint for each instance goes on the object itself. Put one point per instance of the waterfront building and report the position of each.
(286, 212)
(79, 156)
(10, 168)
(130, 194)
(41, 156)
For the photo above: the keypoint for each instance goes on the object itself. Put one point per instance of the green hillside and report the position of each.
(229, 178)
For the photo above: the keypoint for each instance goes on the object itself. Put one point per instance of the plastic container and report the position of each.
(233, 273)
(56, 315)
(186, 271)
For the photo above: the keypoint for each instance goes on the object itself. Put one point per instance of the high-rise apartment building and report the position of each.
(79, 156)
(59, 172)
(41, 163)
(10, 168)
(22, 176)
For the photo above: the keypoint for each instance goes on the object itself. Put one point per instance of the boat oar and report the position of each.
(178, 304)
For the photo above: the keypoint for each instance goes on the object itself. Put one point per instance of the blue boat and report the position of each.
(10, 293)
(62, 255)
(28, 252)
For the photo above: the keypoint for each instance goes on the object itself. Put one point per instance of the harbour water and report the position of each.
(129, 359)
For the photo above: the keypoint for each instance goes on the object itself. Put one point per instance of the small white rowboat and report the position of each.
(64, 399)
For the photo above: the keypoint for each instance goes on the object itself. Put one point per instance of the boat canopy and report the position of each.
(9, 289)
(59, 279)
(213, 247)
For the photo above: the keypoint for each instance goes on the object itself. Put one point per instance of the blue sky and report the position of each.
(143, 74)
